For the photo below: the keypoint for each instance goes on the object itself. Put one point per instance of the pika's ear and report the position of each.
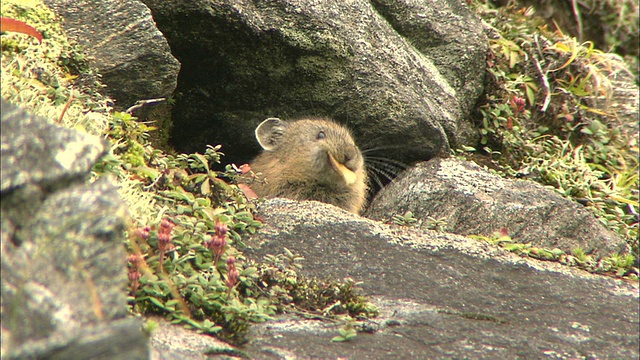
(269, 132)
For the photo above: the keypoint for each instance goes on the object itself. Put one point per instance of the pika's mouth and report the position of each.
(348, 175)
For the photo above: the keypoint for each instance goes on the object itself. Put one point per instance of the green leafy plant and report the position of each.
(347, 331)
(405, 219)
(549, 115)
(310, 296)
(435, 224)
(190, 259)
(619, 265)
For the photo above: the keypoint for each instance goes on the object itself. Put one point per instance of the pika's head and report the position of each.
(320, 150)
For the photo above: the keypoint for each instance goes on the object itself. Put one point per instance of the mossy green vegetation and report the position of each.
(187, 220)
(562, 113)
(618, 265)
(44, 77)
(612, 25)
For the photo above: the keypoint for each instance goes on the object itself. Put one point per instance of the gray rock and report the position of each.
(175, 342)
(440, 295)
(63, 264)
(119, 339)
(474, 201)
(624, 101)
(245, 61)
(445, 34)
(34, 151)
(123, 43)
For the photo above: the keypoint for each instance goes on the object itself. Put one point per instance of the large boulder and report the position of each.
(473, 201)
(124, 45)
(381, 67)
(439, 295)
(63, 260)
(447, 35)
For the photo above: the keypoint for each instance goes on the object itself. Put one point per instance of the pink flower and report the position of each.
(143, 233)
(221, 228)
(217, 245)
(517, 104)
(164, 238)
(232, 274)
(134, 273)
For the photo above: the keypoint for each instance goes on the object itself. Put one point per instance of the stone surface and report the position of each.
(123, 43)
(175, 342)
(34, 151)
(440, 295)
(473, 201)
(244, 61)
(118, 339)
(63, 261)
(444, 33)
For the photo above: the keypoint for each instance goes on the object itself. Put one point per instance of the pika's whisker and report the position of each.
(373, 175)
(387, 162)
(386, 147)
(382, 170)
(385, 172)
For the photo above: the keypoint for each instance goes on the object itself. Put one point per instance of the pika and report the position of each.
(310, 159)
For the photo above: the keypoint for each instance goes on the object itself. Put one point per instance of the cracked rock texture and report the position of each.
(63, 260)
(473, 201)
(131, 55)
(403, 72)
(441, 295)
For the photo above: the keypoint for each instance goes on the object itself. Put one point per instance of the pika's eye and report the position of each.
(321, 135)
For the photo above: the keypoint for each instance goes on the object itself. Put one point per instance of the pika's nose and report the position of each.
(351, 157)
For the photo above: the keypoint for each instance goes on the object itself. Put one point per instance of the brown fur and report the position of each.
(295, 163)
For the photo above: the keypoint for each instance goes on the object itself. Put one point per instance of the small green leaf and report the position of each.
(531, 96)
(249, 271)
(156, 302)
(513, 247)
(146, 172)
(182, 209)
(179, 194)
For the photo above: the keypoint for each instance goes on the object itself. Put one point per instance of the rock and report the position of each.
(63, 264)
(169, 342)
(132, 56)
(35, 152)
(119, 339)
(624, 100)
(444, 34)
(245, 61)
(471, 200)
(440, 295)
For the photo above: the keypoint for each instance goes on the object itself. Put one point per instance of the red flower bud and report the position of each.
(166, 226)
(517, 104)
(231, 260)
(232, 273)
(221, 228)
(143, 233)
(135, 260)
